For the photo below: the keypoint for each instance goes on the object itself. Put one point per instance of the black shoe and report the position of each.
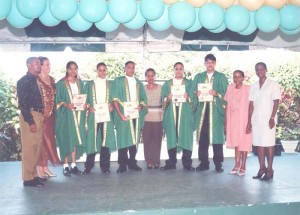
(122, 168)
(189, 169)
(67, 171)
(134, 167)
(167, 167)
(86, 171)
(40, 179)
(33, 183)
(75, 171)
(268, 175)
(105, 171)
(260, 174)
(202, 167)
(219, 168)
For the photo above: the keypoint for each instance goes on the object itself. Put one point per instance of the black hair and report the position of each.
(262, 64)
(150, 70)
(241, 72)
(69, 65)
(42, 59)
(210, 57)
(129, 62)
(101, 64)
(178, 63)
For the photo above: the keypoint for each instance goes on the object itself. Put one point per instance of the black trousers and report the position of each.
(218, 156)
(104, 155)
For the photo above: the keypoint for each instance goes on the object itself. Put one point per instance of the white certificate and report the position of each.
(79, 102)
(178, 92)
(204, 89)
(102, 112)
(131, 110)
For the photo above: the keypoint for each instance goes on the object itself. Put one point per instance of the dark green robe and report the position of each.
(185, 118)
(217, 106)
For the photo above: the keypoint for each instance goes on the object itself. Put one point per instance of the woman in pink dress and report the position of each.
(236, 119)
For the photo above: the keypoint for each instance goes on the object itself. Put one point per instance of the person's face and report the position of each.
(45, 68)
(210, 65)
(238, 78)
(150, 77)
(260, 71)
(101, 72)
(178, 71)
(130, 69)
(35, 67)
(72, 70)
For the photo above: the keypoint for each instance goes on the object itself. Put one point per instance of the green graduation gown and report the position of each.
(185, 118)
(126, 134)
(95, 139)
(217, 106)
(69, 124)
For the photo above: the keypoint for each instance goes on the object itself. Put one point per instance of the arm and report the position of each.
(249, 124)
(272, 121)
(122, 116)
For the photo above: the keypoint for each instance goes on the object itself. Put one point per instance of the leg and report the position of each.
(89, 163)
(171, 162)
(237, 165)
(261, 160)
(66, 170)
(132, 163)
(74, 168)
(270, 152)
(218, 157)
(105, 159)
(122, 160)
(187, 160)
(243, 166)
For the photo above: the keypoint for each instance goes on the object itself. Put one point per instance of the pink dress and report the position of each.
(237, 118)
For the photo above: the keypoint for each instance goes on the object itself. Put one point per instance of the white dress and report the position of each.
(263, 101)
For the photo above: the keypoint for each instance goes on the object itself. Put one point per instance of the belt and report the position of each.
(37, 110)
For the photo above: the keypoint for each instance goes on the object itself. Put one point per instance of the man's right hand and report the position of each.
(33, 128)
(123, 117)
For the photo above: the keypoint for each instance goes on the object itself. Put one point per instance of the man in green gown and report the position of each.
(128, 89)
(100, 130)
(209, 115)
(178, 120)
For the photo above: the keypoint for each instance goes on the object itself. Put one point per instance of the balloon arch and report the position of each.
(241, 16)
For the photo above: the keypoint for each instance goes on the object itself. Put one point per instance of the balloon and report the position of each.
(295, 2)
(197, 3)
(224, 4)
(220, 29)
(5, 8)
(63, 9)
(237, 18)
(92, 10)
(31, 8)
(252, 25)
(162, 23)
(211, 16)
(16, 19)
(275, 3)
(137, 22)
(182, 15)
(267, 19)
(107, 24)
(170, 1)
(151, 9)
(289, 17)
(47, 18)
(251, 4)
(197, 25)
(79, 24)
(292, 32)
(122, 10)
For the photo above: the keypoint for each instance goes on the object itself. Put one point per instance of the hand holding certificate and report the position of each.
(131, 110)
(79, 102)
(178, 92)
(205, 96)
(102, 112)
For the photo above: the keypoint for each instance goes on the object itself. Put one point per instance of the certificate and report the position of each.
(204, 89)
(131, 110)
(102, 112)
(178, 92)
(79, 102)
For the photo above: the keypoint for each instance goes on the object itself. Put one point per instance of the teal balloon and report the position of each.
(152, 9)
(15, 19)
(93, 10)
(137, 22)
(122, 10)
(267, 19)
(63, 9)
(107, 24)
(5, 8)
(197, 25)
(47, 18)
(290, 17)
(211, 16)
(220, 29)
(237, 18)
(252, 25)
(290, 32)
(163, 23)
(31, 8)
(182, 15)
(79, 24)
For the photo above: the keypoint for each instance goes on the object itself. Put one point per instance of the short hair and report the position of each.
(129, 62)
(150, 70)
(101, 64)
(210, 57)
(261, 64)
(241, 72)
(178, 63)
(30, 60)
(42, 59)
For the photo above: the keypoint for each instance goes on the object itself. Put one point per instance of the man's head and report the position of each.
(210, 63)
(101, 70)
(33, 65)
(129, 68)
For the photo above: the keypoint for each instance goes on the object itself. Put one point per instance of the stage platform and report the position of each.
(157, 192)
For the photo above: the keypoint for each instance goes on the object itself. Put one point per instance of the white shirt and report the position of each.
(100, 87)
(209, 75)
(132, 88)
(177, 81)
(74, 88)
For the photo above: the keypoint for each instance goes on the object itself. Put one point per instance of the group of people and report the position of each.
(49, 118)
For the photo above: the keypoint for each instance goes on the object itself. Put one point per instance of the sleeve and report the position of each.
(276, 94)
(143, 97)
(193, 89)
(22, 92)
(164, 94)
(251, 93)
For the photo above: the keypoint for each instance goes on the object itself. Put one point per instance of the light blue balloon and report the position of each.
(197, 25)
(290, 17)
(267, 19)
(211, 16)
(122, 10)
(47, 18)
(220, 29)
(152, 9)
(107, 24)
(182, 15)
(137, 22)
(31, 8)
(92, 10)
(15, 19)
(252, 25)
(290, 32)
(79, 24)
(63, 9)
(5, 8)
(163, 23)
(237, 18)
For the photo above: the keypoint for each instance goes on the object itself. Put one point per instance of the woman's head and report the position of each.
(72, 69)
(178, 70)
(101, 70)
(238, 77)
(150, 75)
(45, 65)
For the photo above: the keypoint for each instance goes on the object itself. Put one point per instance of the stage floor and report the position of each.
(155, 191)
